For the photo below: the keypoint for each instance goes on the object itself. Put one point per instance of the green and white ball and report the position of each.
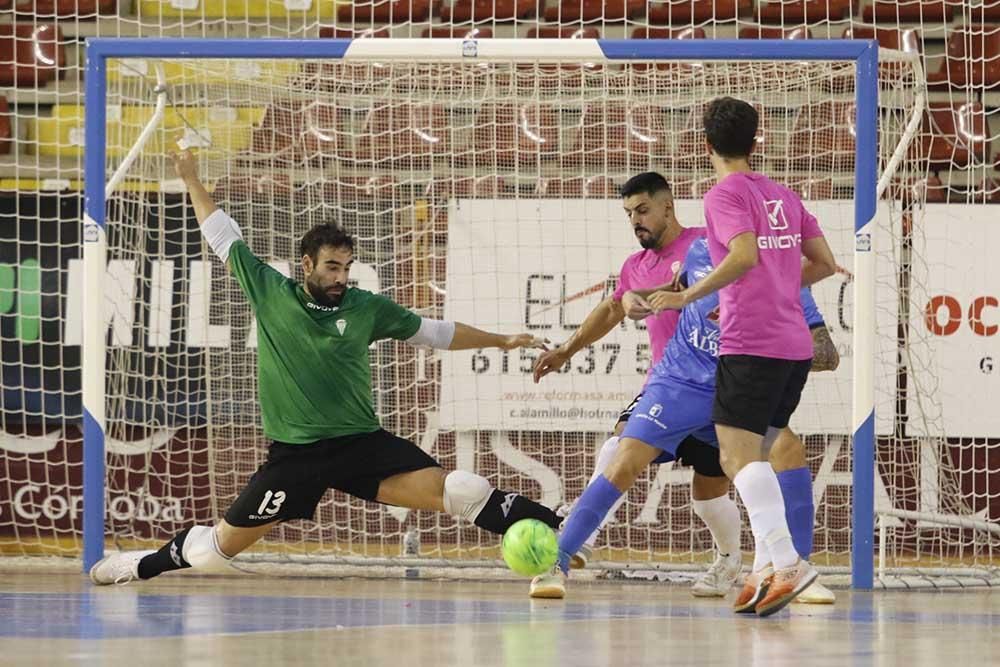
(530, 547)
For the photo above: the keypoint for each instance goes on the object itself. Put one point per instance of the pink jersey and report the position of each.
(761, 312)
(647, 269)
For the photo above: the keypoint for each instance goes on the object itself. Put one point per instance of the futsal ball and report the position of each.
(530, 547)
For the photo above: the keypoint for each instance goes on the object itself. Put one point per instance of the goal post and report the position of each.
(862, 55)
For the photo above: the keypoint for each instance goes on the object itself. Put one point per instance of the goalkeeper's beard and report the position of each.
(322, 297)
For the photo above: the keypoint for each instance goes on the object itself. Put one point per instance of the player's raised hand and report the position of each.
(185, 164)
(636, 308)
(548, 362)
(523, 340)
(661, 300)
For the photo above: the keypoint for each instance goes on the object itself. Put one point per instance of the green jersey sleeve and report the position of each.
(256, 277)
(392, 320)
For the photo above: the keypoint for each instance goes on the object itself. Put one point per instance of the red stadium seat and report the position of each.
(384, 11)
(563, 32)
(597, 187)
(989, 191)
(674, 12)
(812, 188)
(404, 136)
(972, 59)
(569, 11)
(623, 138)
(30, 55)
(988, 12)
(911, 11)
(463, 11)
(483, 187)
(382, 191)
(956, 134)
(459, 32)
(823, 137)
(888, 38)
(64, 8)
(381, 32)
(508, 136)
(646, 32)
(930, 187)
(6, 134)
(277, 138)
(803, 11)
(764, 32)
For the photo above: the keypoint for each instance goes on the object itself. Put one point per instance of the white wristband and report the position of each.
(221, 232)
(433, 333)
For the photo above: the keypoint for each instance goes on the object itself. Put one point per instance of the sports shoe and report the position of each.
(120, 567)
(754, 589)
(817, 593)
(719, 578)
(580, 558)
(550, 586)
(786, 584)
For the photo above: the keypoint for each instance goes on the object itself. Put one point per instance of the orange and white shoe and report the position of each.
(817, 593)
(755, 587)
(549, 586)
(786, 584)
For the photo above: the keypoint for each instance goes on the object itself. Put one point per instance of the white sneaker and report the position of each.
(580, 558)
(120, 567)
(551, 585)
(720, 577)
(817, 593)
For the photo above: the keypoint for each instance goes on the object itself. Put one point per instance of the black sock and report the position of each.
(166, 559)
(504, 509)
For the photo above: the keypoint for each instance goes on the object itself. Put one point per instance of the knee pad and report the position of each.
(465, 494)
(201, 551)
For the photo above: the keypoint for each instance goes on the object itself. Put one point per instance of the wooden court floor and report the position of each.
(60, 619)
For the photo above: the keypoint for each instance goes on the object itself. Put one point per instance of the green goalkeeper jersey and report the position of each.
(312, 360)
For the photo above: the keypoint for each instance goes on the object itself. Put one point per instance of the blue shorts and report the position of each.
(668, 413)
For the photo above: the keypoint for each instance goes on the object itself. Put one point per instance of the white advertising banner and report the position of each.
(540, 266)
(957, 312)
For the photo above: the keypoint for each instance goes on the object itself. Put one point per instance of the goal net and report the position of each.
(485, 191)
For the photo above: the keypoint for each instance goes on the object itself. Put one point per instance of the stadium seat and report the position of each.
(509, 136)
(490, 186)
(30, 55)
(381, 32)
(910, 11)
(372, 192)
(615, 136)
(569, 11)
(152, 10)
(931, 187)
(764, 32)
(278, 135)
(972, 59)
(6, 133)
(812, 188)
(563, 32)
(822, 137)
(404, 136)
(79, 9)
(674, 12)
(384, 11)
(597, 187)
(989, 191)
(646, 32)
(988, 12)
(956, 134)
(788, 12)
(459, 32)
(463, 11)
(888, 38)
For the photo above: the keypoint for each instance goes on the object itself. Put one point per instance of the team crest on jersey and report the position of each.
(776, 219)
(655, 410)
(341, 325)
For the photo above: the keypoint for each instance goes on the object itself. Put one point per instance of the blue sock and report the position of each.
(796, 489)
(586, 517)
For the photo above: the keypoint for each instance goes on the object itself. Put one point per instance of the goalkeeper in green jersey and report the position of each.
(316, 404)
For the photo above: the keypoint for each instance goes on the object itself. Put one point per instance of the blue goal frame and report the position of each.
(864, 53)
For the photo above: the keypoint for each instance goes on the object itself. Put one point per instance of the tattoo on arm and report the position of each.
(825, 355)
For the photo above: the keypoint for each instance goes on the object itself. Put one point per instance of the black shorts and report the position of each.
(754, 393)
(294, 478)
(701, 456)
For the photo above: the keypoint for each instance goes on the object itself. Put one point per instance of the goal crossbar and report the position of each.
(863, 53)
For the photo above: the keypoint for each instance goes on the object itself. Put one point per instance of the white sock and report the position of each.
(761, 494)
(761, 555)
(605, 455)
(722, 517)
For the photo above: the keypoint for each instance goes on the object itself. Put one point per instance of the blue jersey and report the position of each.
(692, 354)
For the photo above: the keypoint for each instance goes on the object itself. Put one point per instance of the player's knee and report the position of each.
(202, 551)
(631, 459)
(465, 494)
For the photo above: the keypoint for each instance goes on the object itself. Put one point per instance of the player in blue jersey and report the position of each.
(676, 404)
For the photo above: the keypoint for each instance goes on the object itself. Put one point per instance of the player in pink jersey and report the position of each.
(758, 233)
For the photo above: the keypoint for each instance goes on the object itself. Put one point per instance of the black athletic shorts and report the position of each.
(294, 478)
(754, 393)
(701, 456)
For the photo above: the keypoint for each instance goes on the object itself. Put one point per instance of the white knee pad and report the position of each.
(605, 455)
(201, 551)
(465, 494)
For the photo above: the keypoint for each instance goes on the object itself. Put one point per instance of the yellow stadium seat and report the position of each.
(237, 9)
(202, 72)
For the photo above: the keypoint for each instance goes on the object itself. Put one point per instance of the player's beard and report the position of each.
(322, 297)
(649, 241)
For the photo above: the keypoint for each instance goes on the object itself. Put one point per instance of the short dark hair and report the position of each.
(730, 127)
(324, 234)
(648, 182)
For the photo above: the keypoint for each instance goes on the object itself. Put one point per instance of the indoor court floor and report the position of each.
(61, 619)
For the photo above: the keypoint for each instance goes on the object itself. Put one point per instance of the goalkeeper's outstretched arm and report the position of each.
(444, 335)
(219, 229)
